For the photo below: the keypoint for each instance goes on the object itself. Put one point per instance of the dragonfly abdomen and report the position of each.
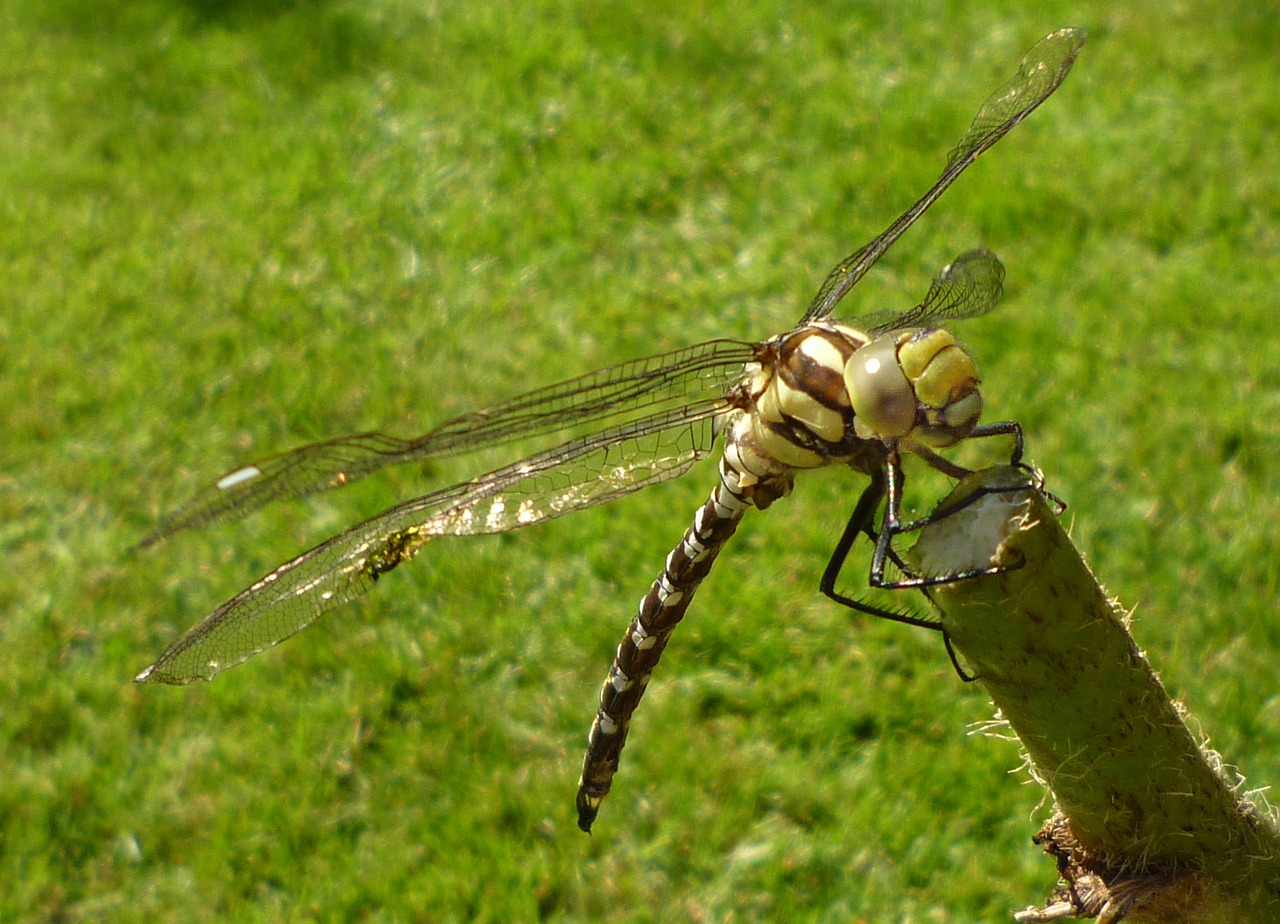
(660, 610)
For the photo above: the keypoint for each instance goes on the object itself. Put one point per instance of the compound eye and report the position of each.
(946, 386)
(884, 403)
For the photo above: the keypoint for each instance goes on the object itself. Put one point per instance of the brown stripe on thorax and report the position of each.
(804, 417)
(812, 361)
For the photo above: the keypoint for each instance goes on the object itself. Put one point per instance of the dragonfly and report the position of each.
(862, 394)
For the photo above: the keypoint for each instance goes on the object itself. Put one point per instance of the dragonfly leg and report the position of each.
(887, 485)
(892, 526)
(1003, 428)
(861, 523)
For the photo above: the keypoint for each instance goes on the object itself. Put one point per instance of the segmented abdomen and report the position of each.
(660, 611)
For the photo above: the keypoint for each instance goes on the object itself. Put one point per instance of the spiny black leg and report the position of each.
(859, 524)
(972, 498)
(947, 467)
(890, 525)
(887, 485)
(1035, 479)
(964, 676)
(914, 580)
(1003, 428)
(893, 526)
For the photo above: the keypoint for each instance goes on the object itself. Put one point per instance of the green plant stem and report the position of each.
(1149, 822)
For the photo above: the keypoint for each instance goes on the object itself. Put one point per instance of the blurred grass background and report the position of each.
(230, 228)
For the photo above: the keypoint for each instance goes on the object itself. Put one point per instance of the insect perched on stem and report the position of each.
(823, 393)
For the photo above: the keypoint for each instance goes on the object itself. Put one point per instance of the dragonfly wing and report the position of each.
(968, 286)
(581, 473)
(312, 468)
(631, 389)
(1041, 72)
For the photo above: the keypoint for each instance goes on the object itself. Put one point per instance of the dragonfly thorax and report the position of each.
(828, 393)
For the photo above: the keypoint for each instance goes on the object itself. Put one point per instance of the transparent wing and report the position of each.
(581, 473)
(1040, 73)
(968, 286)
(615, 393)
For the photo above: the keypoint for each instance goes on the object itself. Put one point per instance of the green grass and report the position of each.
(230, 228)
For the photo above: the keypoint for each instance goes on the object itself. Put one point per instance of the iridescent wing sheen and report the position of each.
(1039, 74)
(611, 394)
(578, 474)
(968, 286)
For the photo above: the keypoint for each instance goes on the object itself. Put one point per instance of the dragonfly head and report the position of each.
(915, 385)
